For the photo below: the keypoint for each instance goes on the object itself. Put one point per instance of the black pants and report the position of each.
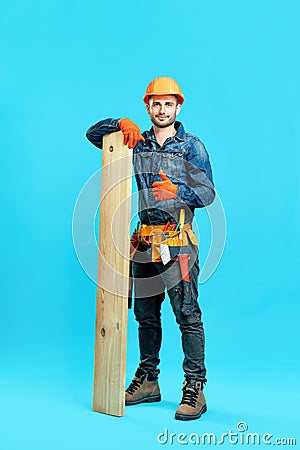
(150, 281)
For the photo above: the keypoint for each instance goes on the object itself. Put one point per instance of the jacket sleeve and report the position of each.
(197, 188)
(96, 132)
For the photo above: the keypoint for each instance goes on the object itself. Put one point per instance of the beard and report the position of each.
(170, 121)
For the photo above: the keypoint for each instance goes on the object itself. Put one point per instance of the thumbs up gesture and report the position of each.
(165, 189)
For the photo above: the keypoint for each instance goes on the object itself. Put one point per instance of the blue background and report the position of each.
(66, 65)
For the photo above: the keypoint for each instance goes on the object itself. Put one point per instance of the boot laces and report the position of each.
(134, 385)
(190, 395)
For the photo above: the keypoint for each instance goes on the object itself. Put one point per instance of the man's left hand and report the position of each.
(165, 189)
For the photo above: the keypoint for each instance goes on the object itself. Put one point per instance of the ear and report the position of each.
(178, 108)
(148, 108)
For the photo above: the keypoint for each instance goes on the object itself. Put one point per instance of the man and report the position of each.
(174, 177)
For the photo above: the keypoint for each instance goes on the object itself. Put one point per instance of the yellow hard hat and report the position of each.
(164, 86)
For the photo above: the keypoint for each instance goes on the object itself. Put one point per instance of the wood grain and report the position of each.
(113, 277)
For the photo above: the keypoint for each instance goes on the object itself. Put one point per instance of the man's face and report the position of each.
(163, 110)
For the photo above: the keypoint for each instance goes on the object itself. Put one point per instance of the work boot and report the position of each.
(193, 402)
(143, 389)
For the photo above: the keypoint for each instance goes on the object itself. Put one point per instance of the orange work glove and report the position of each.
(165, 189)
(131, 132)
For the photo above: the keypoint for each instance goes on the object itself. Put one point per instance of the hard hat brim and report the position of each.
(179, 96)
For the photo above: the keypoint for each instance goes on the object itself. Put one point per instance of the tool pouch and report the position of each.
(175, 242)
(192, 237)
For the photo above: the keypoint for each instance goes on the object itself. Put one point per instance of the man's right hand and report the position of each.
(131, 132)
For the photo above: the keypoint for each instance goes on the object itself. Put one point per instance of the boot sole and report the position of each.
(191, 417)
(152, 399)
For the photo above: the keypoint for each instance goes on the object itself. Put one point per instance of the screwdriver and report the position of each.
(166, 226)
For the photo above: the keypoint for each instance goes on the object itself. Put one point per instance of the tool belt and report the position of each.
(167, 244)
(177, 241)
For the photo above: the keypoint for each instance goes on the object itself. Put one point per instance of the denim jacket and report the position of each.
(184, 160)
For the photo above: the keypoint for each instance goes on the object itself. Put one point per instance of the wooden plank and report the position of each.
(113, 277)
